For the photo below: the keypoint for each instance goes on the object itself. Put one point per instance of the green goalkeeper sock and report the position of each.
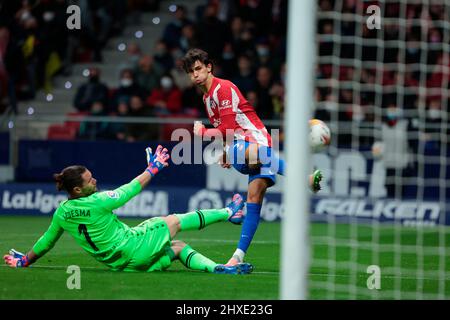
(201, 218)
(196, 261)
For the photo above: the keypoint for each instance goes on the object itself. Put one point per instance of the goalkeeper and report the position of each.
(87, 215)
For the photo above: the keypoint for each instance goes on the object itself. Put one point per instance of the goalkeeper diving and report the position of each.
(88, 216)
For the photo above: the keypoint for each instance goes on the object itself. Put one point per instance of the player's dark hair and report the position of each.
(193, 55)
(69, 178)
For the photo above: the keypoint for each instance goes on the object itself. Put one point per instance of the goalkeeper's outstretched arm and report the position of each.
(16, 259)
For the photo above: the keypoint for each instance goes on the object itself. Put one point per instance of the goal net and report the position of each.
(380, 226)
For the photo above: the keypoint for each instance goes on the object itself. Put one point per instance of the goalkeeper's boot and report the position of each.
(240, 268)
(235, 206)
(314, 181)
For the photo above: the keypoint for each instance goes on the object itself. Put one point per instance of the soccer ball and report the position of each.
(319, 135)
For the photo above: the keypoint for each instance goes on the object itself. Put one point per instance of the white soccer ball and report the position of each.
(377, 149)
(319, 135)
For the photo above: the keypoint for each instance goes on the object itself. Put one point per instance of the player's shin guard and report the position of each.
(196, 261)
(201, 218)
(271, 160)
(250, 225)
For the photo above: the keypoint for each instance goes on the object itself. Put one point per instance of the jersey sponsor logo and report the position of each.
(225, 104)
(408, 212)
(112, 194)
(77, 213)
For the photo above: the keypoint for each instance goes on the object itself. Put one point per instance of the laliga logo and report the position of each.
(205, 199)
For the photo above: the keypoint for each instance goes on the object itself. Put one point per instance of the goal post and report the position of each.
(377, 72)
(299, 101)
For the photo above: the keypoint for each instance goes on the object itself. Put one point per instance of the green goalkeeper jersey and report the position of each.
(92, 223)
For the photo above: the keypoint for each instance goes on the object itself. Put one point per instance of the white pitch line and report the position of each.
(254, 272)
(228, 241)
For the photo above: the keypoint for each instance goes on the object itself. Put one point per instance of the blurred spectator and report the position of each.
(259, 13)
(396, 150)
(140, 131)
(212, 33)
(192, 102)
(277, 94)
(179, 76)
(236, 28)
(245, 79)
(264, 83)
(245, 45)
(4, 39)
(90, 130)
(173, 31)
(166, 99)
(148, 73)
(39, 44)
(252, 98)
(263, 54)
(188, 38)
(127, 88)
(279, 16)
(133, 56)
(118, 130)
(228, 62)
(163, 57)
(433, 123)
(90, 92)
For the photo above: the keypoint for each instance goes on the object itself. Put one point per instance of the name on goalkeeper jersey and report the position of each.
(77, 213)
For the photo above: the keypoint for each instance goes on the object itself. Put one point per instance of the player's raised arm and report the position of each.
(116, 198)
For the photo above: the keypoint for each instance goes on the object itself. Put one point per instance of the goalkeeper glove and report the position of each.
(16, 259)
(158, 161)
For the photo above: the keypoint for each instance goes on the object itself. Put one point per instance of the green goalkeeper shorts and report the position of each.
(151, 249)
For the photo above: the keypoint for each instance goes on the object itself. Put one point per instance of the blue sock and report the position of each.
(270, 159)
(281, 165)
(250, 225)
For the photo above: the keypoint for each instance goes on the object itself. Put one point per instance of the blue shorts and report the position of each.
(236, 155)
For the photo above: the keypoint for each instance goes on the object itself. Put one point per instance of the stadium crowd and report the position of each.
(358, 77)
(245, 39)
(406, 75)
(35, 43)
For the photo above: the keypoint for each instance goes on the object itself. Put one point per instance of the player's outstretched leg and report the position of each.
(194, 260)
(256, 191)
(201, 218)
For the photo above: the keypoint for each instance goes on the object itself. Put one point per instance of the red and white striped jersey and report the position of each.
(227, 109)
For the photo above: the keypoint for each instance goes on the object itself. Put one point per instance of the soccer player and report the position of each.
(87, 216)
(250, 149)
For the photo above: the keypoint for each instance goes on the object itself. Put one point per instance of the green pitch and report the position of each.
(342, 277)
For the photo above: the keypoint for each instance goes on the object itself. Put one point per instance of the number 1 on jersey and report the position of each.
(82, 229)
